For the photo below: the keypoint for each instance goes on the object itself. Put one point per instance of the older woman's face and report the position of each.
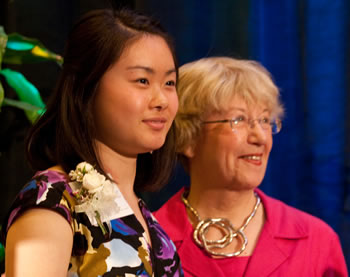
(234, 158)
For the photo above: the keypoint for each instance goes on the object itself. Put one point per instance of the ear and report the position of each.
(189, 151)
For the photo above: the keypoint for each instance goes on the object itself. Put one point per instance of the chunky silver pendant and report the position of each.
(225, 226)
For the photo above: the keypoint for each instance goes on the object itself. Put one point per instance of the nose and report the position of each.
(159, 99)
(256, 134)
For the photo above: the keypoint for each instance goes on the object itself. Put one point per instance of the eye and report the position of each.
(265, 120)
(239, 119)
(142, 81)
(170, 83)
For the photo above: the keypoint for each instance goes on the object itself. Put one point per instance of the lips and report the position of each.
(155, 123)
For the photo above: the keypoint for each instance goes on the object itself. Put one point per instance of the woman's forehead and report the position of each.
(238, 103)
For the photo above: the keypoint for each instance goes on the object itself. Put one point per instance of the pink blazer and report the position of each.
(292, 243)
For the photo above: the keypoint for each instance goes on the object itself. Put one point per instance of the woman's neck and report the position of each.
(121, 168)
(219, 202)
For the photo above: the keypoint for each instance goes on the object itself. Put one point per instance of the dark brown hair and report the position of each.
(65, 134)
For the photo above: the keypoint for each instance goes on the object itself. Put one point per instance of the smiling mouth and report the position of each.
(252, 157)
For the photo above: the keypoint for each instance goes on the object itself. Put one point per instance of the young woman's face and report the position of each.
(136, 100)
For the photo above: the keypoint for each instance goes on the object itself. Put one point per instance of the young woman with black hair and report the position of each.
(106, 133)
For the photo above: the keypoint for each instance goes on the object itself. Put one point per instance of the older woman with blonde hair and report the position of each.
(223, 225)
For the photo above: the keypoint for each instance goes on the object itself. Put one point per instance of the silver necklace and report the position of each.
(229, 232)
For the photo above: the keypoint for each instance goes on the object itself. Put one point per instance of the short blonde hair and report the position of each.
(208, 84)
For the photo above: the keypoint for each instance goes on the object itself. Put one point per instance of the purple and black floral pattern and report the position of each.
(123, 252)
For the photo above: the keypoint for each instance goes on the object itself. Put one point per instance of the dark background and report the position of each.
(304, 44)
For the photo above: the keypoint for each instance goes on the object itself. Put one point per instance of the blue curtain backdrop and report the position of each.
(304, 44)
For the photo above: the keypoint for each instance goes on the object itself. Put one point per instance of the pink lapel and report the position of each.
(277, 240)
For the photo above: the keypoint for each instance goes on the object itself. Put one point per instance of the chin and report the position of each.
(150, 149)
(250, 184)
(156, 144)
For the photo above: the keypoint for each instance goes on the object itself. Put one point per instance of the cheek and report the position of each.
(230, 150)
(231, 154)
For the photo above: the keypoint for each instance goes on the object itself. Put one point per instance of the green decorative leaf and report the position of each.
(19, 46)
(32, 112)
(21, 105)
(21, 49)
(26, 92)
(3, 42)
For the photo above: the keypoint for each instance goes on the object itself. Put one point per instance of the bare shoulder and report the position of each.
(39, 220)
(39, 243)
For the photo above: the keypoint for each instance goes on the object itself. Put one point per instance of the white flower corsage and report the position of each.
(94, 193)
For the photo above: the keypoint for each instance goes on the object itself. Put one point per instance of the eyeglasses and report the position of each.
(242, 122)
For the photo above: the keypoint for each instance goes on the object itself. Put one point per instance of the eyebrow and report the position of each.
(149, 69)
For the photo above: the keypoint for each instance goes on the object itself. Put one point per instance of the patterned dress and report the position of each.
(124, 251)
